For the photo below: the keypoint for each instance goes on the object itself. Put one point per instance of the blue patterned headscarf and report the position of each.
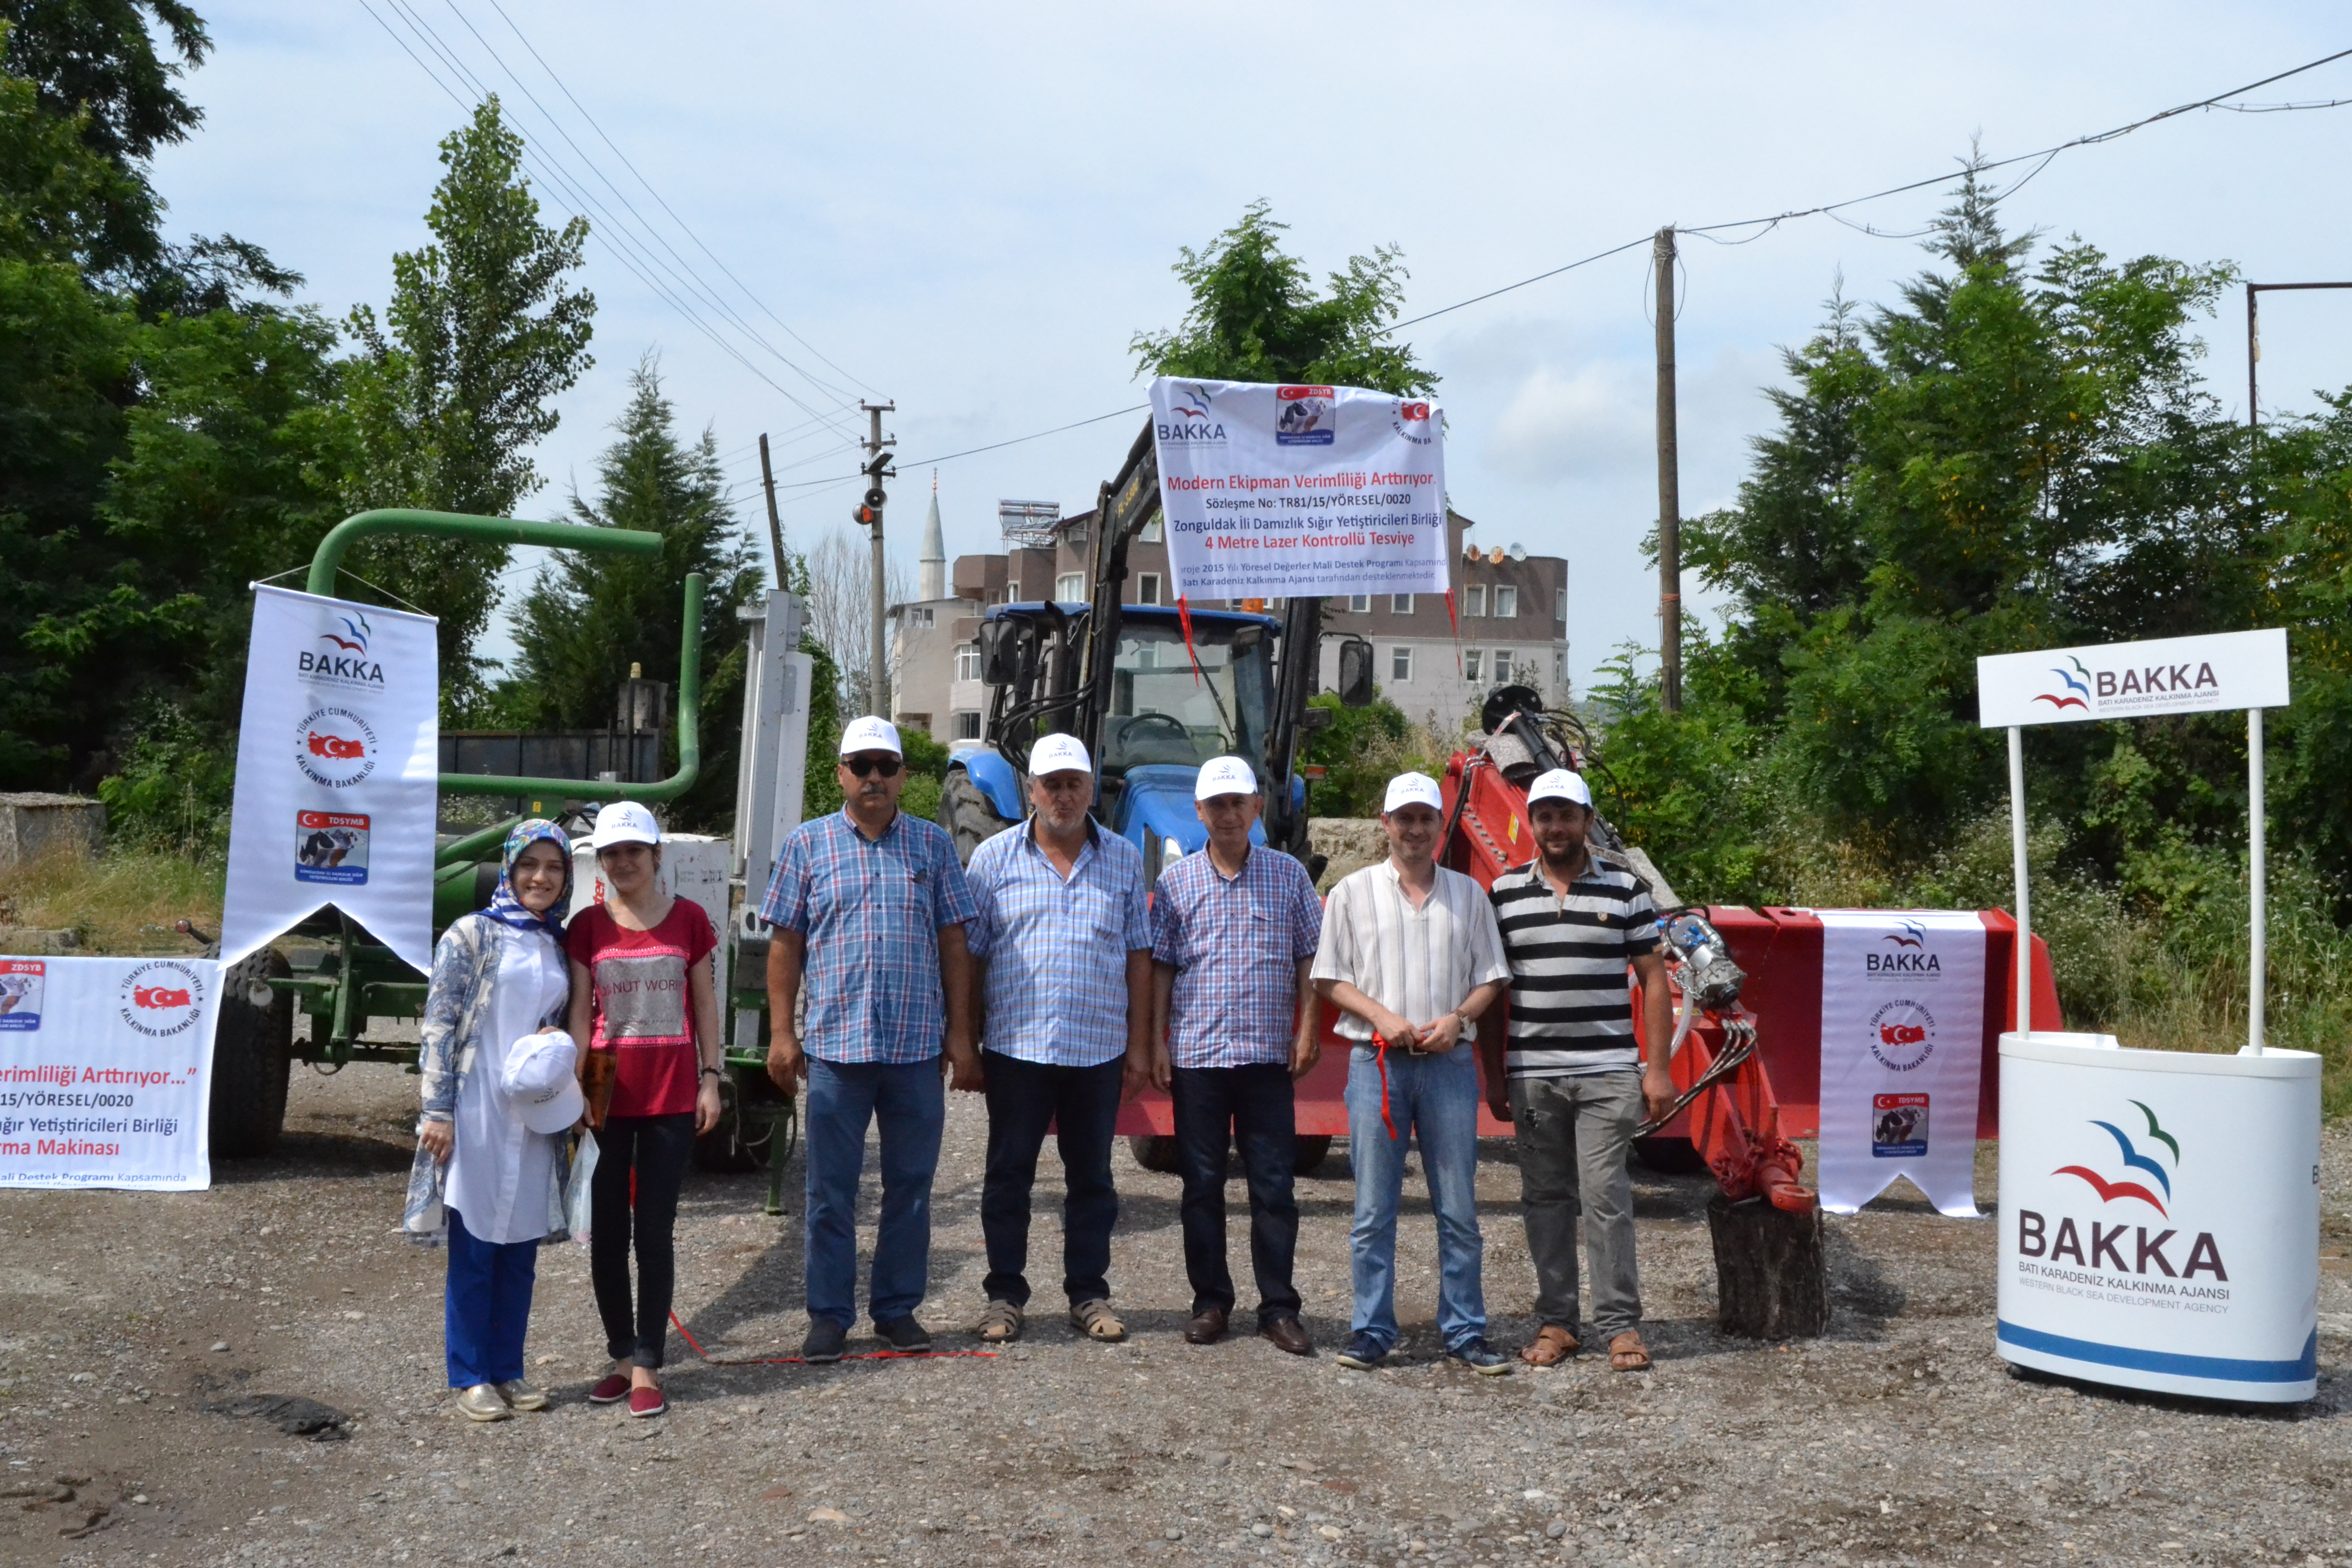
(505, 907)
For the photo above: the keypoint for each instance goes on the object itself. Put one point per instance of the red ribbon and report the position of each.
(1185, 619)
(1382, 1058)
(1454, 621)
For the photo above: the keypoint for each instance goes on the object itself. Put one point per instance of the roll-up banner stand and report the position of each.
(336, 766)
(2160, 1221)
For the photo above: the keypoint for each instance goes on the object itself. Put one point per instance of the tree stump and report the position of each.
(1771, 1276)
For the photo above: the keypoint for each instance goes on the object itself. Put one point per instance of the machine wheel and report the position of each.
(968, 814)
(253, 1053)
(1308, 1151)
(1153, 1151)
(740, 1143)
(1669, 1156)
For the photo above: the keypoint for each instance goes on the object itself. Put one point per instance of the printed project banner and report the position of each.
(336, 765)
(105, 1068)
(1902, 1052)
(1271, 491)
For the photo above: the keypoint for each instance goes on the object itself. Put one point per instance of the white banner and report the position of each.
(2133, 680)
(336, 765)
(2159, 1216)
(1901, 1054)
(104, 1072)
(1271, 491)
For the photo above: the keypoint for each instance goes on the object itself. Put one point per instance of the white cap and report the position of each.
(871, 734)
(1058, 754)
(1224, 775)
(542, 1080)
(624, 822)
(1560, 784)
(1412, 789)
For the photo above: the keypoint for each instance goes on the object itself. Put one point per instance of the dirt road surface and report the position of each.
(125, 1318)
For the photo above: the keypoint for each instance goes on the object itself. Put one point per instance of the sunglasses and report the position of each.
(866, 767)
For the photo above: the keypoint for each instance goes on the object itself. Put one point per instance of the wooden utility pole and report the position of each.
(1670, 504)
(775, 524)
(877, 469)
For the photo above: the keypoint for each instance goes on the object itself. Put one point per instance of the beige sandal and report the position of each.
(1551, 1346)
(1097, 1321)
(1628, 1354)
(1000, 1324)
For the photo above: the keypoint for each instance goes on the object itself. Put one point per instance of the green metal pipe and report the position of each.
(327, 559)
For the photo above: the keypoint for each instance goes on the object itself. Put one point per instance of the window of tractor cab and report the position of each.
(1160, 713)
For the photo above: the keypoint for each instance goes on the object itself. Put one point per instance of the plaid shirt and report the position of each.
(1058, 951)
(871, 910)
(1234, 943)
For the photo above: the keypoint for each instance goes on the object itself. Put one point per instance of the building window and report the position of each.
(1154, 532)
(1473, 599)
(968, 662)
(1400, 664)
(1070, 585)
(1362, 601)
(1474, 664)
(921, 615)
(1147, 588)
(1502, 665)
(1013, 590)
(967, 724)
(1400, 604)
(915, 722)
(1559, 606)
(1559, 670)
(1507, 602)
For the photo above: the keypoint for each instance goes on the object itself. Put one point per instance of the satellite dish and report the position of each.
(1494, 556)
(1518, 552)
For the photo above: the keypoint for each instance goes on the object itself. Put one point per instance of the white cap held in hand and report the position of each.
(871, 734)
(1058, 754)
(1560, 784)
(1224, 775)
(541, 1081)
(624, 822)
(1412, 789)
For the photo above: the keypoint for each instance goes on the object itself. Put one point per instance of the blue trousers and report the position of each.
(488, 1305)
(1435, 1100)
(907, 1104)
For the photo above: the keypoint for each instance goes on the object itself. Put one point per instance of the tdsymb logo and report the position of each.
(334, 747)
(160, 999)
(341, 659)
(2139, 1175)
(1902, 1036)
(1308, 418)
(21, 980)
(1192, 422)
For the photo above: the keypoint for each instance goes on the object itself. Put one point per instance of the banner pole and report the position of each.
(2024, 897)
(2257, 884)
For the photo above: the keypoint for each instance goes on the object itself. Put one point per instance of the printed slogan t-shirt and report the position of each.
(644, 1011)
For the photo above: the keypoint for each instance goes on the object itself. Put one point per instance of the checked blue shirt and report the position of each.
(1234, 943)
(1058, 951)
(871, 910)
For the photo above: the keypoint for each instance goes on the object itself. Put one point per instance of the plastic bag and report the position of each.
(576, 1204)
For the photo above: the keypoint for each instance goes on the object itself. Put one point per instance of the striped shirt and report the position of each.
(872, 910)
(1571, 1011)
(1234, 943)
(1056, 950)
(1421, 963)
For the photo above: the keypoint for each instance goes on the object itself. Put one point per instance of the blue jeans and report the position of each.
(907, 1105)
(487, 1306)
(1435, 1099)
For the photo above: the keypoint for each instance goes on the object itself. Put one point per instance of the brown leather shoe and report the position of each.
(1207, 1327)
(1288, 1334)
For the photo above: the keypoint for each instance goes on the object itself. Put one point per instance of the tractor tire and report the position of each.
(1669, 1156)
(1307, 1152)
(734, 1147)
(253, 1054)
(1153, 1151)
(968, 814)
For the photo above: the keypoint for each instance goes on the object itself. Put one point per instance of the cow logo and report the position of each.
(1902, 1036)
(2135, 1159)
(160, 999)
(331, 847)
(21, 983)
(334, 747)
(1415, 421)
(1307, 416)
(1898, 1126)
(2074, 690)
(1195, 425)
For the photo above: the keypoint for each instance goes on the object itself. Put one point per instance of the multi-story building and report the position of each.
(1509, 622)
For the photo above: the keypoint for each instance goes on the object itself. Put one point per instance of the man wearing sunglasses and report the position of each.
(1064, 942)
(867, 906)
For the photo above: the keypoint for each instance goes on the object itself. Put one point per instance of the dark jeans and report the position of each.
(1250, 1106)
(1082, 1105)
(656, 1149)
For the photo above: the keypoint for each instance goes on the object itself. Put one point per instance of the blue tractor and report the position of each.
(1150, 711)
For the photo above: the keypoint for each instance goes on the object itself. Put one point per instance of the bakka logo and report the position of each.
(1194, 424)
(1902, 1036)
(335, 747)
(345, 661)
(2126, 1187)
(357, 642)
(160, 1000)
(2071, 693)
(1913, 935)
(1910, 955)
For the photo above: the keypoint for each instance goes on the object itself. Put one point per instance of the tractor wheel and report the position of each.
(1153, 1151)
(253, 1052)
(968, 814)
(740, 1143)
(1669, 1156)
(1307, 1152)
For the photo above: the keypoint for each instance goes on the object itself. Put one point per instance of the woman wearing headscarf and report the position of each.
(501, 1094)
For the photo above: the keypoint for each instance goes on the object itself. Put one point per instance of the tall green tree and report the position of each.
(456, 384)
(587, 619)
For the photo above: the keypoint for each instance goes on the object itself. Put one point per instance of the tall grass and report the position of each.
(125, 901)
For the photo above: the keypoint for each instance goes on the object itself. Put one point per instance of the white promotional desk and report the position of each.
(2159, 1216)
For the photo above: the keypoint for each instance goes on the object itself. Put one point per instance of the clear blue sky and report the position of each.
(972, 209)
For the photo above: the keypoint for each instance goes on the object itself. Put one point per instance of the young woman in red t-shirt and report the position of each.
(641, 989)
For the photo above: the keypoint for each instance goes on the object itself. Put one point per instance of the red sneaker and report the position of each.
(646, 1402)
(610, 1390)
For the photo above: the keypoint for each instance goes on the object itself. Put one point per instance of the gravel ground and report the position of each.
(1899, 1437)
